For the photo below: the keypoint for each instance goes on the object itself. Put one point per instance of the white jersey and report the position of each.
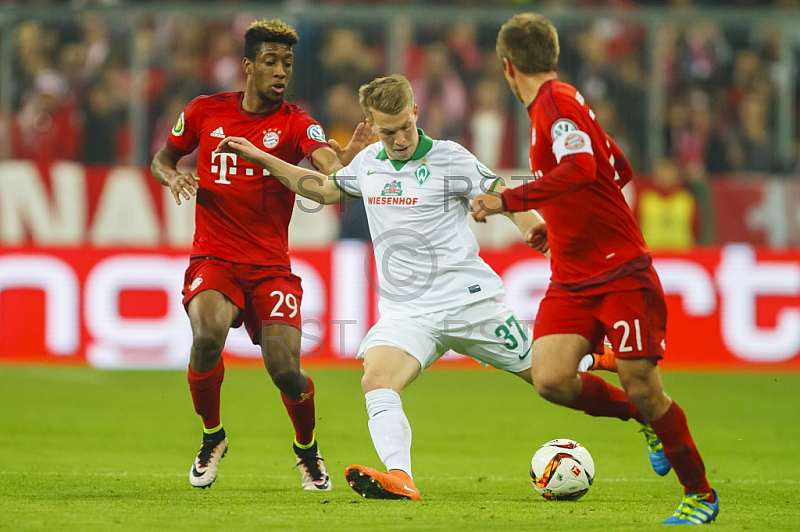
(418, 211)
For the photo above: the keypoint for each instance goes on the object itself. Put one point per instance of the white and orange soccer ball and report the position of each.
(562, 470)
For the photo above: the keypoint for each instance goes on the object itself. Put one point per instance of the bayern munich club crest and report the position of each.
(574, 141)
(271, 140)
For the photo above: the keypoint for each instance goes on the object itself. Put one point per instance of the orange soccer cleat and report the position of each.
(605, 360)
(372, 484)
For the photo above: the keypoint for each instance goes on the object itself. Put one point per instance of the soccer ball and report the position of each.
(562, 470)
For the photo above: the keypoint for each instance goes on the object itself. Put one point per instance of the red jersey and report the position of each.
(577, 175)
(242, 212)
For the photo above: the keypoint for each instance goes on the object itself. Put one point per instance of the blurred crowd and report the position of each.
(74, 81)
(538, 4)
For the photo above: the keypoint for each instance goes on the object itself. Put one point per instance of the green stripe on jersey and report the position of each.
(346, 193)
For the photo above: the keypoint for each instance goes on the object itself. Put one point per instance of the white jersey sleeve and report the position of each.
(346, 179)
(468, 177)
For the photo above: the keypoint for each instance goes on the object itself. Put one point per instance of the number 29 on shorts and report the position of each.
(285, 305)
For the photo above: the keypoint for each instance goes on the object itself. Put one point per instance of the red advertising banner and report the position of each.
(733, 307)
(759, 211)
(67, 204)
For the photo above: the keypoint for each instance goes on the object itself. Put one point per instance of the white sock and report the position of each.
(586, 363)
(388, 425)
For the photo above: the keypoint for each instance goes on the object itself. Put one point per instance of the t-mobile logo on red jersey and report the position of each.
(227, 166)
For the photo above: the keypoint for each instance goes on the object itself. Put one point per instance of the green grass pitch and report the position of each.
(95, 450)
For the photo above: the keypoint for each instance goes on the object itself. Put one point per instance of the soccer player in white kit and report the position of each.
(436, 293)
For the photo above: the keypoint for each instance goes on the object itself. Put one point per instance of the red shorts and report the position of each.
(630, 311)
(264, 294)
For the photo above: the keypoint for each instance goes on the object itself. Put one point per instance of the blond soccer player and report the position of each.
(436, 293)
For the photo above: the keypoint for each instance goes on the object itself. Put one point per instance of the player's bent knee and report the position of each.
(287, 380)
(546, 380)
(641, 381)
(652, 402)
(552, 388)
(207, 347)
(371, 382)
(376, 382)
(637, 389)
(388, 367)
(546, 392)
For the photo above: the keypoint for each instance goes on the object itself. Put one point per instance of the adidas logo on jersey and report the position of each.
(218, 133)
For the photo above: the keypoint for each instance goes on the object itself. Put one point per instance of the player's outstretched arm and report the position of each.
(307, 183)
(573, 172)
(485, 205)
(165, 169)
(530, 224)
(331, 160)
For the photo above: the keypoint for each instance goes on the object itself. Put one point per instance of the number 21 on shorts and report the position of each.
(285, 305)
(624, 346)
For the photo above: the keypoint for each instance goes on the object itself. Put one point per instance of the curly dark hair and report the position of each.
(267, 30)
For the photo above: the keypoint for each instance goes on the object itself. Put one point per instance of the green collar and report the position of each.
(424, 146)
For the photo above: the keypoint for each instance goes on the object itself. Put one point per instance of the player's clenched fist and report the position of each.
(486, 205)
(536, 237)
(185, 185)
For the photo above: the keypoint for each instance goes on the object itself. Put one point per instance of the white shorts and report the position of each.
(486, 331)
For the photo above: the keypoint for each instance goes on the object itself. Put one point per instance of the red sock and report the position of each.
(205, 389)
(301, 412)
(680, 450)
(601, 399)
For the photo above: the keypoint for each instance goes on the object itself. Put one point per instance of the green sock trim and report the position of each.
(212, 431)
(307, 445)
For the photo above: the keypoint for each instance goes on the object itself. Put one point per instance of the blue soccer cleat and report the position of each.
(656, 451)
(695, 510)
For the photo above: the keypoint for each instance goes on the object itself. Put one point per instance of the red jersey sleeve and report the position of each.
(183, 138)
(621, 164)
(565, 127)
(308, 135)
(592, 234)
(572, 173)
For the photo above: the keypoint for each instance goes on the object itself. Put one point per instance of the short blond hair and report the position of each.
(390, 95)
(530, 42)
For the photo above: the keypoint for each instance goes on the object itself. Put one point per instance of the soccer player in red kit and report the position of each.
(239, 270)
(603, 281)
